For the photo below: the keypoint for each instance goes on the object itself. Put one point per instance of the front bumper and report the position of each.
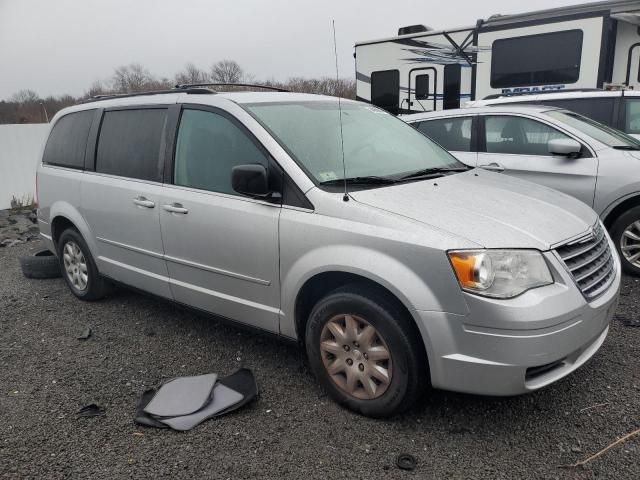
(515, 346)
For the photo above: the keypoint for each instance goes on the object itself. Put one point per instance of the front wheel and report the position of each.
(78, 267)
(365, 353)
(625, 233)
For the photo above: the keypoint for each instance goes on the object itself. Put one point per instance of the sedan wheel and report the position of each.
(630, 244)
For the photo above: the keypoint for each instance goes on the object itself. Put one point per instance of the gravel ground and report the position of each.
(293, 430)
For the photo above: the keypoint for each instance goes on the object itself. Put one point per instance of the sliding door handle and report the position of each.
(143, 202)
(175, 208)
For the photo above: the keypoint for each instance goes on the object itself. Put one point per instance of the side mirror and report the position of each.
(251, 179)
(567, 147)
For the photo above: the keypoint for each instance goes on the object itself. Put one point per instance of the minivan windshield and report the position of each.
(378, 148)
(607, 135)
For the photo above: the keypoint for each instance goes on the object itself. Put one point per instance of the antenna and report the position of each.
(345, 197)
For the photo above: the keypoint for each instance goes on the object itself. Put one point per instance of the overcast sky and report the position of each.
(62, 46)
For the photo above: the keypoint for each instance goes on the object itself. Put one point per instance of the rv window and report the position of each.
(68, 140)
(422, 87)
(451, 89)
(454, 134)
(385, 90)
(542, 59)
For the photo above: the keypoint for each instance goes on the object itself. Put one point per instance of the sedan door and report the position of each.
(518, 146)
(455, 134)
(221, 247)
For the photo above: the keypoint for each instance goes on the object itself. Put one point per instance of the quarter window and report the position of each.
(519, 135)
(130, 143)
(385, 90)
(454, 134)
(209, 145)
(542, 59)
(68, 140)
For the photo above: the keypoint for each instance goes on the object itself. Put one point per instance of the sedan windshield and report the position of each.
(378, 148)
(609, 136)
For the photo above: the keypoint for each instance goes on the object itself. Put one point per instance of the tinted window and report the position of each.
(519, 135)
(632, 116)
(452, 133)
(385, 89)
(607, 135)
(451, 89)
(599, 109)
(130, 142)
(422, 87)
(68, 140)
(536, 59)
(209, 146)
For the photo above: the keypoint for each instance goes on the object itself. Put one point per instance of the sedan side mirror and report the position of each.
(567, 147)
(252, 180)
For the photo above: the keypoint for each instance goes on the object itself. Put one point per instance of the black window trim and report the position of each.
(491, 81)
(273, 168)
(91, 158)
(586, 151)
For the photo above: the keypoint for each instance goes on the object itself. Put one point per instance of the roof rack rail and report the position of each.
(108, 96)
(250, 85)
(539, 92)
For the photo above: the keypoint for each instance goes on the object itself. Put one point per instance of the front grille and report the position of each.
(590, 262)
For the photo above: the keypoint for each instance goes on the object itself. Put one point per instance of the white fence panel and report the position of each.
(20, 147)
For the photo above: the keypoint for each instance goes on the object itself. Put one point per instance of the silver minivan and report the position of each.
(337, 225)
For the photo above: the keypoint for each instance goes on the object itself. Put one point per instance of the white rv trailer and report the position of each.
(578, 47)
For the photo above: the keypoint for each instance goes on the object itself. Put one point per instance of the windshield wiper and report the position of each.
(367, 180)
(427, 172)
(626, 147)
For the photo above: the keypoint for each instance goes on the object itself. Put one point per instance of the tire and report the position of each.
(43, 264)
(90, 286)
(626, 222)
(406, 367)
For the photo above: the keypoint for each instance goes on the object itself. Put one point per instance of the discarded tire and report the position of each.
(43, 264)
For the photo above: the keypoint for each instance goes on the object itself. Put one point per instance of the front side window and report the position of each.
(518, 135)
(542, 59)
(454, 134)
(375, 142)
(607, 135)
(68, 140)
(599, 109)
(130, 142)
(209, 145)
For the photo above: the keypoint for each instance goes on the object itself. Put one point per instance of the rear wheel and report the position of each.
(78, 267)
(625, 233)
(364, 352)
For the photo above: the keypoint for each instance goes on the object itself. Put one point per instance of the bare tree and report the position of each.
(227, 71)
(132, 78)
(191, 74)
(24, 97)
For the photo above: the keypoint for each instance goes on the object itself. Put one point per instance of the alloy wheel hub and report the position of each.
(75, 265)
(630, 244)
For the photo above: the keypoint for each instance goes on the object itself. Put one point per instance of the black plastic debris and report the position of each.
(91, 410)
(86, 333)
(628, 322)
(405, 461)
(184, 402)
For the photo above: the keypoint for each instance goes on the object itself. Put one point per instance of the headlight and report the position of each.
(500, 273)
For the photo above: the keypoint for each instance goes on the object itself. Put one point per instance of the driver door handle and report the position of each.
(143, 202)
(493, 167)
(176, 208)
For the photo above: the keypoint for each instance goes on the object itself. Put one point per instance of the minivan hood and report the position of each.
(490, 209)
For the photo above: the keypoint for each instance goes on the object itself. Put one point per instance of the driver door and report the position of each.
(518, 146)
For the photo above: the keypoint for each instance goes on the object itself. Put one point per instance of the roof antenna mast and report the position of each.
(345, 197)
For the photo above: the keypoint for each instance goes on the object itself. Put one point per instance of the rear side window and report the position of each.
(632, 116)
(385, 90)
(519, 135)
(536, 59)
(130, 142)
(208, 147)
(68, 140)
(454, 134)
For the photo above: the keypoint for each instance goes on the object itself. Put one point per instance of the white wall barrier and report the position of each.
(20, 147)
